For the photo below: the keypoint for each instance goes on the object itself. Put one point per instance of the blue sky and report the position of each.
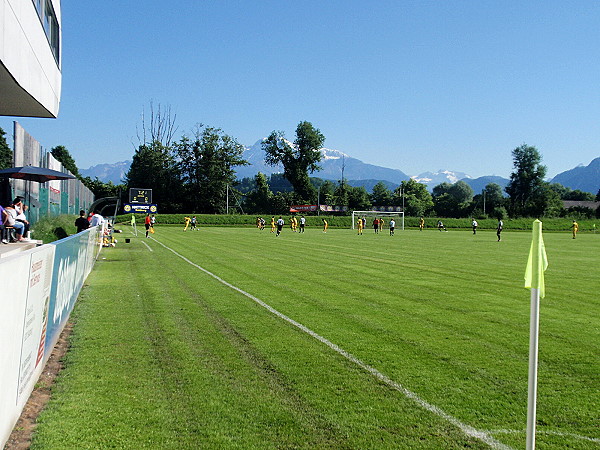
(413, 85)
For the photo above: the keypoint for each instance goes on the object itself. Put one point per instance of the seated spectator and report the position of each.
(81, 222)
(12, 222)
(3, 230)
(21, 208)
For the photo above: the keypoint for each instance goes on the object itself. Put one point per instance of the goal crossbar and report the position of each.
(356, 214)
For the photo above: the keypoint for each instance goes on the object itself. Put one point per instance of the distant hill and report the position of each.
(107, 172)
(478, 184)
(584, 178)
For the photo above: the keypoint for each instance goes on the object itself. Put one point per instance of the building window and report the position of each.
(49, 22)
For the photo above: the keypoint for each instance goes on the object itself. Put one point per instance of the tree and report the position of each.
(298, 159)
(62, 155)
(260, 198)
(493, 196)
(415, 197)
(358, 198)
(381, 195)
(101, 189)
(452, 200)
(206, 165)
(6, 154)
(525, 186)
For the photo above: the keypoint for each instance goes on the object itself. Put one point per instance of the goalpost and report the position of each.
(399, 214)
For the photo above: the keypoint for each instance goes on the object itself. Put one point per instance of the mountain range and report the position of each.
(358, 173)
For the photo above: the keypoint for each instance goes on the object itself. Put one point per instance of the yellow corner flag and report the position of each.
(132, 220)
(537, 262)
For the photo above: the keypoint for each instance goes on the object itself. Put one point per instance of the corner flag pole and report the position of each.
(534, 280)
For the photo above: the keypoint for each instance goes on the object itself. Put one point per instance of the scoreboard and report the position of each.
(137, 195)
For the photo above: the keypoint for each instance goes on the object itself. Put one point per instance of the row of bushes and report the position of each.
(555, 224)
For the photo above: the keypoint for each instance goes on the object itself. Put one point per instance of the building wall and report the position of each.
(30, 55)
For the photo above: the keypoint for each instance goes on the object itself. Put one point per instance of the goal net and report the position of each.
(385, 215)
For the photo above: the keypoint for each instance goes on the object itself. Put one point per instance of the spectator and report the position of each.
(81, 222)
(3, 230)
(97, 219)
(20, 208)
(11, 221)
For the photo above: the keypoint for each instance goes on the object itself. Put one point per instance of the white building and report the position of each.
(30, 58)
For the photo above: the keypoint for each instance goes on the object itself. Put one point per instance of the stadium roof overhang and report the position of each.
(16, 101)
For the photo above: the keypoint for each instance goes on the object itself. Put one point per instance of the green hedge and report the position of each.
(345, 222)
(53, 228)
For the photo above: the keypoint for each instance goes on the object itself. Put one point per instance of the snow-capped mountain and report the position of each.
(332, 163)
(432, 179)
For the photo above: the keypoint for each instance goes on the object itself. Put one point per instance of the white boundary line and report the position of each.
(147, 246)
(466, 429)
(547, 432)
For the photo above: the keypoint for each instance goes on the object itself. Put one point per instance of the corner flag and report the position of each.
(534, 279)
(537, 262)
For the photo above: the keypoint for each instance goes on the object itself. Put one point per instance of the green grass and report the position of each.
(165, 356)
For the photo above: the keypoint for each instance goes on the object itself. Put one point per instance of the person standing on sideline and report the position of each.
(97, 219)
(302, 224)
(81, 222)
(147, 223)
(392, 226)
(421, 224)
(325, 226)
(474, 225)
(575, 227)
(499, 228)
(280, 224)
(359, 225)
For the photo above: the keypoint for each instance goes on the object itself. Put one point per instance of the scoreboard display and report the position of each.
(137, 195)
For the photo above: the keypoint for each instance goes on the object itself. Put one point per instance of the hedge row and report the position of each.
(345, 222)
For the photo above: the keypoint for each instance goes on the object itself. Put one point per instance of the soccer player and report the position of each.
(325, 226)
(187, 221)
(392, 226)
(280, 224)
(294, 224)
(302, 224)
(499, 228)
(359, 224)
(575, 227)
(147, 223)
(193, 222)
(376, 225)
(421, 224)
(441, 226)
(380, 224)
(273, 224)
(474, 225)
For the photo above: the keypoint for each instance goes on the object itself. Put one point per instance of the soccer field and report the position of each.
(233, 338)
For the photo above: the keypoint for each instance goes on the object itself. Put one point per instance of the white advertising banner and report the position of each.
(36, 319)
(14, 273)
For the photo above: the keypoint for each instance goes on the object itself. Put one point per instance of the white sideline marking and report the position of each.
(467, 429)
(147, 246)
(548, 432)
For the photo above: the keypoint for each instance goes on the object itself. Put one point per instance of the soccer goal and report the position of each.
(372, 214)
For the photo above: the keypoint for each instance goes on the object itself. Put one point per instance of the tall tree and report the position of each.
(207, 164)
(6, 154)
(260, 198)
(415, 197)
(381, 195)
(298, 159)
(452, 200)
(526, 182)
(61, 154)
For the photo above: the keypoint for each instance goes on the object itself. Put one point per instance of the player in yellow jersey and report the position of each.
(273, 224)
(421, 224)
(575, 227)
(294, 224)
(187, 221)
(325, 226)
(359, 225)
